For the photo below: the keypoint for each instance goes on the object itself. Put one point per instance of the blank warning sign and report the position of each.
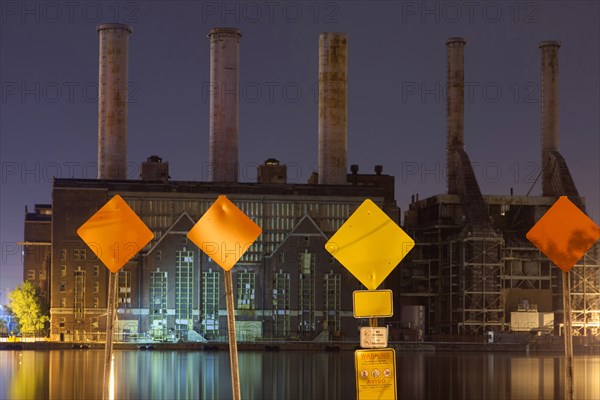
(375, 374)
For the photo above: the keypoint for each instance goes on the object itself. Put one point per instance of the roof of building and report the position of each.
(250, 188)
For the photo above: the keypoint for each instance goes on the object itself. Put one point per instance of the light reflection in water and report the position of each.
(111, 379)
(77, 374)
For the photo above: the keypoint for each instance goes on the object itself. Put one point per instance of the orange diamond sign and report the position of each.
(369, 244)
(564, 234)
(224, 233)
(115, 233)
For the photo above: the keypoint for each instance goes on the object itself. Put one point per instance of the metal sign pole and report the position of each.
(568, 333)
(110, 322)
(233, 354)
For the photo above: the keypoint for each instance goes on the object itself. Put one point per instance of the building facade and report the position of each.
(287, 286)
(37, 240)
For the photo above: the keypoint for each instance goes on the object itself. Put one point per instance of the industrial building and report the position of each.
(286, 286)
(472, 269)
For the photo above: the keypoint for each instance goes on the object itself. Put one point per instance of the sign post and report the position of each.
(225, 233)
(233, 353)
(370, 245)
(115, 234)
(564, 234)
(111, 301)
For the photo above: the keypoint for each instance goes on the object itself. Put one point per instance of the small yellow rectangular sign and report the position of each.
(375, 374)
(372, 303)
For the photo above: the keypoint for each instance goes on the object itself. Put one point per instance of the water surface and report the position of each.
(77, 374)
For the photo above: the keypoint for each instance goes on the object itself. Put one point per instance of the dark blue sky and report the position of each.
(396, 104)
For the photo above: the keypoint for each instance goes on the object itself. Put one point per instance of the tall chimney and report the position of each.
(224, 104)
(549, 90)
(112, 100)
(333, 134)
(455, 111)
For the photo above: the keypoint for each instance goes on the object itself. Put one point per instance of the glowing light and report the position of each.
(111, 382)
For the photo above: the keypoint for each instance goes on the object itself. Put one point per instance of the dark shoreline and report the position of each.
(526, 348)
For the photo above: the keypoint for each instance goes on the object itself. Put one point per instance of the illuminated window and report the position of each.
(210, 302)
(63, 271)
(79, 254)
(245, 286)
(63, 254)
(79, 294)
(63, 302)
(61, 322)
(31, 274)
(124, 296)
(184, 279)
(332, 283)
(96, 287)
(306, 291)
(158, 296)
(96, 302)
(96, 270)
(281, 304)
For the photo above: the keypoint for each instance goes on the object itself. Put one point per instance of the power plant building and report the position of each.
(472, 269)
(286, 285)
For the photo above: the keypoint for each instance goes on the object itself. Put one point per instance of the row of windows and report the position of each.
(95, 270)
(62, 322)
(95, 302)
(159, 214)
(251, 208)
(31, 274)
(62, 287)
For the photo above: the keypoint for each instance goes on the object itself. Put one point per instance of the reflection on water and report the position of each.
(77, 374)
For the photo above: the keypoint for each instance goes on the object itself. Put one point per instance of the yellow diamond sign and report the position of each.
(564, 234)
(369, 244)
(115, 233)
(224, 233)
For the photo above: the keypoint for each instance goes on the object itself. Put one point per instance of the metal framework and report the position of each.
(585, 294)
(460, 278)
(470, 291)
(525, 267)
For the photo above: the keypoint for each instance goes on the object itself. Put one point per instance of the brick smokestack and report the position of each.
(112, 100)
(224, 104)
(333, 134)
(455, 111)
(549, 90)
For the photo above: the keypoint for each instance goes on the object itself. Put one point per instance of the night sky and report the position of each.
(396, 103)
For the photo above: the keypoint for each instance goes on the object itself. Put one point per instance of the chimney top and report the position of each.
(456, 40)
(114, 25)
(225, 31)
(546, 43)
(378, 169)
